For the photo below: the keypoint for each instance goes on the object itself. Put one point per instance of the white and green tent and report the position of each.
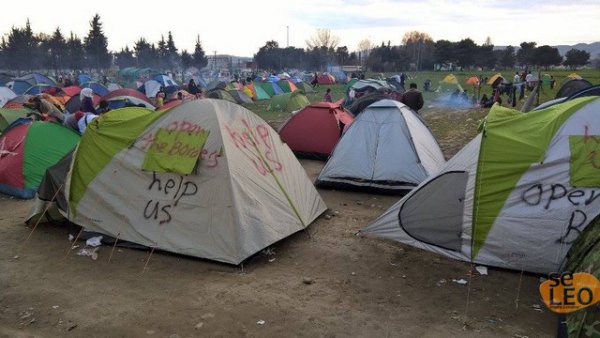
(207, 178)
(515, 197)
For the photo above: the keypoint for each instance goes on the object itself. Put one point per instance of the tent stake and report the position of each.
(147, 261)
(114, 246)
(519, 290)
(71, 245)
(469, 291)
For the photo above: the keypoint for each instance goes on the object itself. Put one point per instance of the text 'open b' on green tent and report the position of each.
(516, 196)
(207, 178)
(27, 149)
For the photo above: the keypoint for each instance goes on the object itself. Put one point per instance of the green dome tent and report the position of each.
(288, 102)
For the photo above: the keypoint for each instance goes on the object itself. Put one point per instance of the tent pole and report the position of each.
(43, 213)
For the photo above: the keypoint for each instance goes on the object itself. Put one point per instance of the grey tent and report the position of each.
(572, 86)
(240, 97)
(387, 149)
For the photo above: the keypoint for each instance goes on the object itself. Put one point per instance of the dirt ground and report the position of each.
(361, 286)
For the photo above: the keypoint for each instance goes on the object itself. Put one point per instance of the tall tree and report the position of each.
(96, 45)
(172, 52)
(75, 52)
(125, 58)
(341, 55)
(507, 57)
(21, 50)
(163, 52)
(525, 54)
(57, 50)
(576, 58)
(187, 60)
(465, 53)
(546, 56)
(200, 59)
(444, 52)
(323, 38)
(418, 46)
(143, 53)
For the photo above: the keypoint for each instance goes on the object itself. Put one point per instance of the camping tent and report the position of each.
(6, 94)
(496, 206)
(74, 103)
(207, 178)
(98, 88)
(305, 87)
(126, 92)
(169, 104)
(258, 93)
(8, 116)
(240, 97)
(270, 88)
(27, 149)
(220, 94)
(449, 84)
(127, 101)
(287, 86)
(288, 102)
(314, 131)
(70, 91)
(388, 149)
(570, 87)
(494, 78)
(326, 79)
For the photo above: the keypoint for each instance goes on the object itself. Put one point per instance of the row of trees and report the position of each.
(418, 51)
(22, 49)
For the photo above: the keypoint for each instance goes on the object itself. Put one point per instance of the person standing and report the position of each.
(413, 98)
(87, 103)
(193, 88)
(327, 96)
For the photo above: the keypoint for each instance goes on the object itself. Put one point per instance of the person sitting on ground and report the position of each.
(413, 98)
(103, 107)
(427, 85)
(180, 96)
(87, 103)
(160, 98)
(44, 110)
(327, 97)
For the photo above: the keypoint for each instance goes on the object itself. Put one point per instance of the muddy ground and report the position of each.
(361, 286)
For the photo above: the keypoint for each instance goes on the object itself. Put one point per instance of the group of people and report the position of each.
(44, 110)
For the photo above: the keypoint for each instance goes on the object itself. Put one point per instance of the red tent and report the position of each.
(326, 79)
(126, 92)
(314, 131)
(71, 91)
(170, 104)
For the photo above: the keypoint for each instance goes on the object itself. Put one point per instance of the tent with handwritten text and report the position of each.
(517, 196)
(207, 178)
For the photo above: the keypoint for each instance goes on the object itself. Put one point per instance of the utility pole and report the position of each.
(215, 60)
(288, 35)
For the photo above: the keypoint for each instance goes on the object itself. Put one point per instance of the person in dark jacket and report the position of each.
(413, 98)
(87, 104)
(193, 87)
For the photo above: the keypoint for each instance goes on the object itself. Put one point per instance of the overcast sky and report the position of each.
(241, 27)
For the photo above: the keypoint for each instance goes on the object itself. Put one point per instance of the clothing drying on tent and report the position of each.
(27, 149)
(493, 205)
(241, 189)
(288, 102)
(314, 131)
(387, 149)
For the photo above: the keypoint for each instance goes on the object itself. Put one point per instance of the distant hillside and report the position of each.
(592, 48)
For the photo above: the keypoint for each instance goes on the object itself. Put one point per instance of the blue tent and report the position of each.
(20, 86)
(37, 89)
(96, 87)
(165, 81)
(83, 78)
(37, 78)
(273, 78)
